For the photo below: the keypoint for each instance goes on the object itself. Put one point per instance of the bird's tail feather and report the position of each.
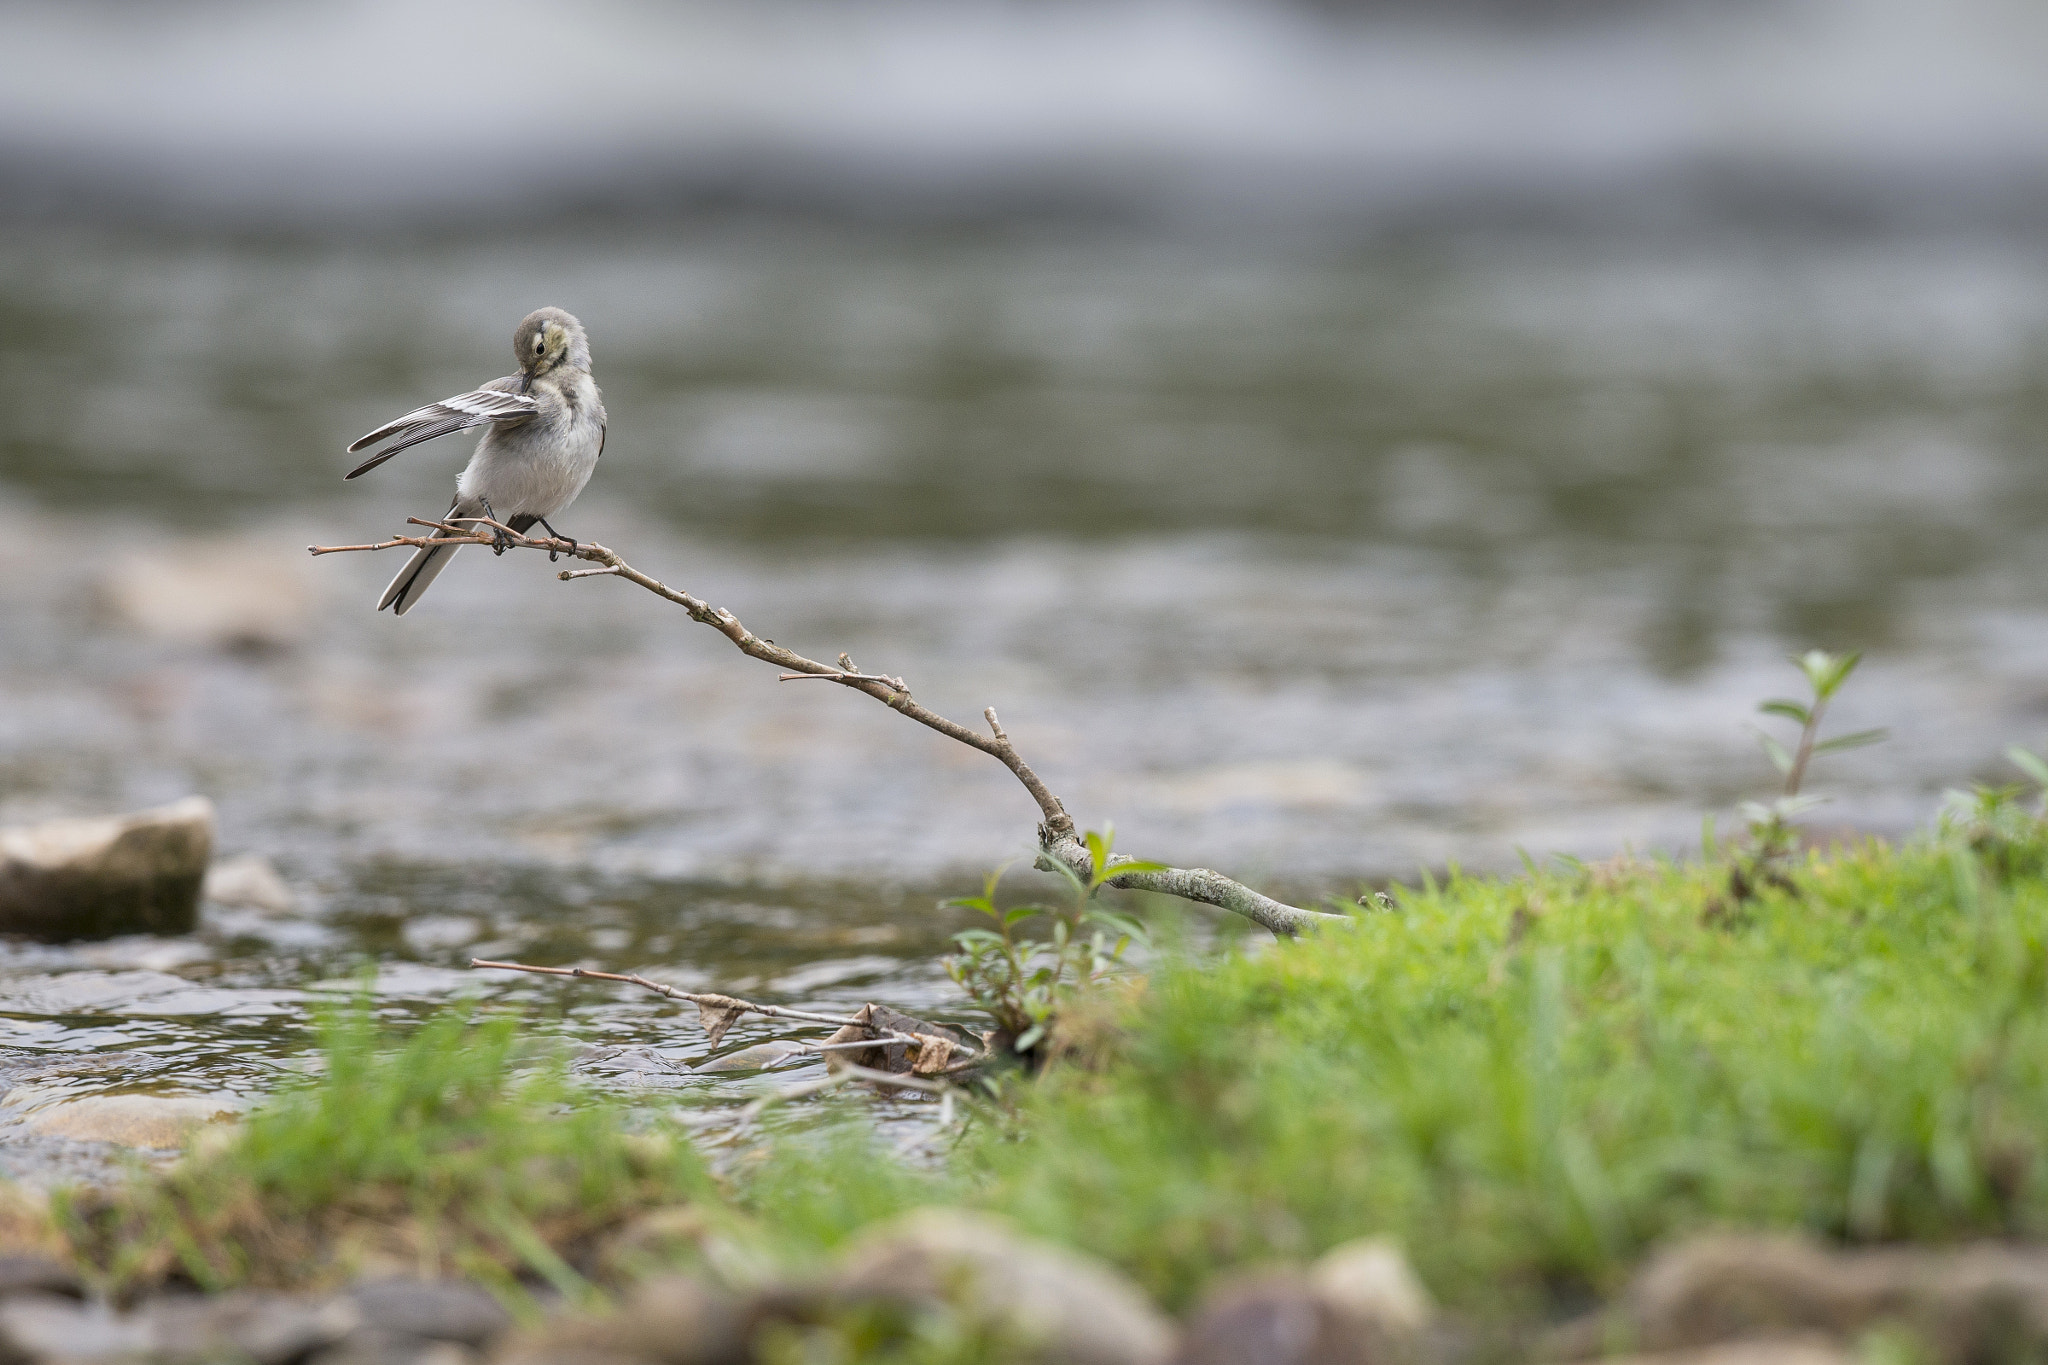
(412, 580)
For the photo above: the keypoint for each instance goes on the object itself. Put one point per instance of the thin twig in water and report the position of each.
(1058, 843)
(715, 1001)
(797, 1091)
(877, 1037)
(895, 1078)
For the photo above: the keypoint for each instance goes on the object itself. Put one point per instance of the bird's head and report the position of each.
(548, 339)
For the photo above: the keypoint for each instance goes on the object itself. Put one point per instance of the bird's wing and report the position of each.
(497, 401)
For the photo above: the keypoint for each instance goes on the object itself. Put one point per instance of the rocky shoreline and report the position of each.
(1716, 1300)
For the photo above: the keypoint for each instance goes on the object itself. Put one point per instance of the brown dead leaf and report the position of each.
(889, 1056)
(717, 1013)
(933, 1053)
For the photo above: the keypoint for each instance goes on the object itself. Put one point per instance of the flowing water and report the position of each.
(1318, 555)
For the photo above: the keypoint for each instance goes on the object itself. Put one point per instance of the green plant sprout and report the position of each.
(1772, 835)
(1022, 983)
(1994, 822)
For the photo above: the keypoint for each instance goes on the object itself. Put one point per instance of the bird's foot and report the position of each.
(500, 541)
(558, 536)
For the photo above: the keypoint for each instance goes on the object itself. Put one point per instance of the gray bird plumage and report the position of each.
(545, 431)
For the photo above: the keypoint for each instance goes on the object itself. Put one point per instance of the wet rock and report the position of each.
(1762, 1351)
(372, 1346)
(1059, 1304)
(896, 1057)
(1271, 1319)
(146, 953)
(436, 933)
(433, 1310)
(226, 595)
(263, 1329)
(249, 881)
(162, 1122)
(759, 1057)
(1369, 1281)
(668, 1320)
(46, 1326)
(1278, 1318)
(105, 876)
(28, 1274)
(1359, 1305)
(1974, 1302)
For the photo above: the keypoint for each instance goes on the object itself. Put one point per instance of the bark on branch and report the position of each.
(1058, 844)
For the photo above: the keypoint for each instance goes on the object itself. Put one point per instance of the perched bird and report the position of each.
(546, 430)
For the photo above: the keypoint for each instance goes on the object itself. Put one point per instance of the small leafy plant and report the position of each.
(1997, 823)
(1772, 834)
(1021, 982)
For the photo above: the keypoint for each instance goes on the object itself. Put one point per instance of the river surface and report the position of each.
(1316, 556)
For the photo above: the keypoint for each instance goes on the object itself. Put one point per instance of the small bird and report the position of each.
(547, 429)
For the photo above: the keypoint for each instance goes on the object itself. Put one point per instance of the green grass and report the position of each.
(441, 1154)
(1529, 1081)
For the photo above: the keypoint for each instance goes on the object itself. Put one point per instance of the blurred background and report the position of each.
(1339, 436)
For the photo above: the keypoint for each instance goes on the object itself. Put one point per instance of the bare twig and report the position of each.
(795, 1092)
(895, 1078)
(895, 684)
(1056, 836)
(716, 1001)
(877, 1037)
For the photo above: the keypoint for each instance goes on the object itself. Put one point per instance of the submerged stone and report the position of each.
(157, 1122)
(249, 881)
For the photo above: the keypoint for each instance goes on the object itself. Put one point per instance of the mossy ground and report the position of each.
(1527, 1080)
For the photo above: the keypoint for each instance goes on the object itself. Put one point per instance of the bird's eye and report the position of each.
(540, 343)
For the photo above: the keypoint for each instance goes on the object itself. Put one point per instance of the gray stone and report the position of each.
(257, 1328)
(1359, 1305)
(50, 1327)
(1056, 1304)
(1279, 1318)
(376, 1346)
(434, 1310)
(26, 1274)
(249, 881)
(1760, 1351)
(105, 876)
(1370, 1282)
(1964, 1303)
(668, 1320)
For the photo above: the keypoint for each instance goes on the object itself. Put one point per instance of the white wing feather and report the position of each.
(498, 401)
